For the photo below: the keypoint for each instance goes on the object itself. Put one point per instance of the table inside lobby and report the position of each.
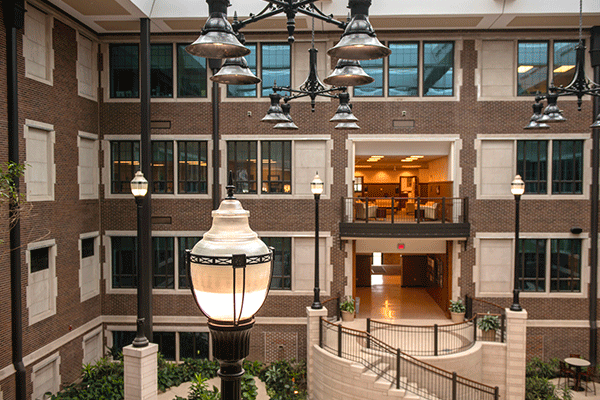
(578, 363)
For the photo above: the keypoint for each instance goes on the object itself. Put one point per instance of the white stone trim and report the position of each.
(93, 269)
(81, 67)
(54, 361)
(46, 277)
(92, 334)
(29, 48)
(83, 137)
(49, 162)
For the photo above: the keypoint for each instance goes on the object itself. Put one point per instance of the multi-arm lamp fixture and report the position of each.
(220, 39)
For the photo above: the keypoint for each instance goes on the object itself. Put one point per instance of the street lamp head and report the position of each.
(316, 186)
(344, 111)
(552, 113)
(348, 73)
(275, 113)
(359, 41)
(517, 186)
(139, 185)
(596, 123)
(235, 71)
(230, 268)
(289, 125)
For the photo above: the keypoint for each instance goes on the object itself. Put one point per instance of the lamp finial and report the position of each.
(230, 186)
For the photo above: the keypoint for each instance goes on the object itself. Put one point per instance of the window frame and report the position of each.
(177, 75)
(256, 72)
(48, 45)
(129, 331)
(50, 162)
(269, 182)
(286, 252)
(419, 68)
(261, 61)
(36, 277)
(423, 95)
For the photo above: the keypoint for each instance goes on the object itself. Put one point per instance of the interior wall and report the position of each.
(441, 295)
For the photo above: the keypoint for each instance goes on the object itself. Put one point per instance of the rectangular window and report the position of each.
(124, 71)
(162, 167)
(567, 166)
(438, 69)
(37, 45)
(166, 344)
(275, 66)
(403, 72)
(191, 74)
(193, 345)
(282, 262)
(373, 68)
(125, 161)
(531, 269)
(532, 165)
(245, 90)
(161, 70)
(185, 243)
(124, 262)
(87, 80)
(565, 268)
(122, 339)
(241, 159)
(87, 247)
(163, 263)
(532, 68)
(276, 166)
(39, 259)
(563, 70)
(192, 173)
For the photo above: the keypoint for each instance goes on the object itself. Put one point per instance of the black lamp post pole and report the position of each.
(317, 302)
(140, 338)
(516, 306)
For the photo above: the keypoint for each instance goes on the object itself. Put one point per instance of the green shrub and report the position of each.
(347, 304)
(539, 368)
(457, 306)
(285, 380)
(488, 322)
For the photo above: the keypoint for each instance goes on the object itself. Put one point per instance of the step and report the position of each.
(382, 384)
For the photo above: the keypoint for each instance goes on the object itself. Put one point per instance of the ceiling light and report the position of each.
(563, 68)
(524, 68)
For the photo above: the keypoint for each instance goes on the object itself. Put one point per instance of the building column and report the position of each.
(313, 326)
(140, 377)
(516, 349)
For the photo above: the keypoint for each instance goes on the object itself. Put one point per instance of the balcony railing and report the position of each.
(405, 209)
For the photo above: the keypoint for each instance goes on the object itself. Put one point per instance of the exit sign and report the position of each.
(400, 246)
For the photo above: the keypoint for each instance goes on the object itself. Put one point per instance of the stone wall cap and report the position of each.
(516, 314)
(311, 312)
(139, 352)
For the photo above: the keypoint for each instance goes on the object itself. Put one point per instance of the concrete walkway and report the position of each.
(183, 389)
(583, 395)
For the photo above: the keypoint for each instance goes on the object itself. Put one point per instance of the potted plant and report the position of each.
(457, 310)
(347, 308)
(488, 325)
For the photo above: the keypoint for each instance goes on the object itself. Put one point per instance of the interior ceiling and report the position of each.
(115, 16)
(391, 162)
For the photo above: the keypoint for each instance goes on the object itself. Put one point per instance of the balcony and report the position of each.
(419, 217)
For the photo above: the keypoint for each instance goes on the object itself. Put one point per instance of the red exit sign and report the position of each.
(400, 246)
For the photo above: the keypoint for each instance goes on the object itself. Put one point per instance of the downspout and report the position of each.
(214, 65)
(14, 15)
(595, 61)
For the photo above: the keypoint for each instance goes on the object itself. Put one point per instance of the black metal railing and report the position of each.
(477, 308)
(399, 368)
(405, 209)
(333, 308)
(427, 340)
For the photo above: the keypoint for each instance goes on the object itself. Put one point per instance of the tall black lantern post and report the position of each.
(230, 272)
(316, 187)
(139, 189)
(517, 188)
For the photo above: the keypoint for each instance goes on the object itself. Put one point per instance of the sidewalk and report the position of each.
(582, 395)
(182, 390)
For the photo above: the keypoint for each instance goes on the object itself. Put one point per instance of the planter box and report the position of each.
(347, 316)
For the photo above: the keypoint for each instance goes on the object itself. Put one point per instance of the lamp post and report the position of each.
(139, 188)
(517, 188)
(230, 271)
(316, 187)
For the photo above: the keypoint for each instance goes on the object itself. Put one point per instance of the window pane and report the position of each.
(531, 268)
(185, 243)
(275, 62)
(166, 344)
(245, 90)
(124, 71)
(122, 339)
(565, 268)
(532, 165)
(276, 167)
(564, 63)
(404, 69)
(567, 166)
(193, 345)
(373, 68)
(192, 167)
(438, 69)
(125, 161)
(282, 262)
(532, 69)
(162, 167)
(161, 70)
(87, 247)
(39, 259)
(241, 159)
(124, 262)
(163, 263)
(191, 74)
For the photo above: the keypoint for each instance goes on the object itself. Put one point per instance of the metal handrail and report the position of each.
(425, 380)
(501, 312)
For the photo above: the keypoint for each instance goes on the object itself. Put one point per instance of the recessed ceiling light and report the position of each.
(524, 68)
(411, 166)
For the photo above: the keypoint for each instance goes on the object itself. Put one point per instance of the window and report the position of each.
(39, 259)
(403, 69)
(563, 265)
(40, 175)
(245, 90)
(191, 74)
(37, 45)
(241, 159)
(92, 346)
(161, 70)
(567, 166)
(282, 262)
(162, 167)
(124, 71)
(124, 262)
(193, 345)
(533, 65)
(87, 248)
(166, 344)
(89, 267)
(185, 243)
(438, 69)
(373, 68)
(276, 166)
(163, 263)
(41, 281)
(87, 170)
(275, 66)
(192, 163)
(45, 377)
(87, 79)
(122, 339)
(125, 161)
